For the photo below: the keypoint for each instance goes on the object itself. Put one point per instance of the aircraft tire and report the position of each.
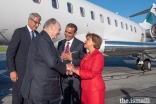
(147, 65)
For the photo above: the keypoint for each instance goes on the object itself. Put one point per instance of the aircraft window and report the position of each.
(55, 4)
(109, 21)
(92, 15)
(82, 11)
(126, 26)
(131, 28)
(70, 7)
(135, 29)
(37, 1)
(122, 25)
(101, 18)
(116, 23)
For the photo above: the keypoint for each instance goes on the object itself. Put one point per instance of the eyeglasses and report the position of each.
(36, 22)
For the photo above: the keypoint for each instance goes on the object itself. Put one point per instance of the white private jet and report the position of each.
(120, 35)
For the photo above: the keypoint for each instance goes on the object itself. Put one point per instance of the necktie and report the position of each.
(67, 48)
(32, 35)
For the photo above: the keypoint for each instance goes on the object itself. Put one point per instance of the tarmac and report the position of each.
(124, 84)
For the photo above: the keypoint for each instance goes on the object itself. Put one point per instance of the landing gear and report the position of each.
(143, 65)
(139, 67)
(139, 64)
(147, 65)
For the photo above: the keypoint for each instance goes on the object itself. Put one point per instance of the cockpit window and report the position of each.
(92, 15)
(55, 4)
(70, 7)
(37, 1)
(82, 11)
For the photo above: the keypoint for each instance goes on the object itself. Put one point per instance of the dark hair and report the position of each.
(96, 39)
(71, 25)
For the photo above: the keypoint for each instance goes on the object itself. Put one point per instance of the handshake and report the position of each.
(70, 69)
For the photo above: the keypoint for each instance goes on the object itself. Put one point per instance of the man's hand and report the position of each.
(69, 69)
(66, 56)
(13, 76)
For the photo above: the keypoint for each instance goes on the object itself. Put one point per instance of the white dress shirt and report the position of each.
(70, 41)
(30, 32)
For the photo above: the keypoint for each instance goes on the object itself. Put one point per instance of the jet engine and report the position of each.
(151, 33)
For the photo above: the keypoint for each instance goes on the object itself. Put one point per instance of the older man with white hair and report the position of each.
(41, 81)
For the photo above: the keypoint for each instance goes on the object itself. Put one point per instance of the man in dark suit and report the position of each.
(41, 80)
(72, 51)
(17, 53)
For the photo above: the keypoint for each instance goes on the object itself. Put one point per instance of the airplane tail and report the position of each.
(149, 23)
(151, 14)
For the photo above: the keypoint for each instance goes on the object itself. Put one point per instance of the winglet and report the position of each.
(152, 10)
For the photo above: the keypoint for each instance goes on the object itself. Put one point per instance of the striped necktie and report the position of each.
(67, 48)
(32, 35)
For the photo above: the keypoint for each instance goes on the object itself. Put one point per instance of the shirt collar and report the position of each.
(71, 41)
(29, 28)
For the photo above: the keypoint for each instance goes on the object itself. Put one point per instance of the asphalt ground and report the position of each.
(124, 84)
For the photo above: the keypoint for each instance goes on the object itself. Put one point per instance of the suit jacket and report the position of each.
(41, 82)
(77, 47)
(90, 71)
(17, 51)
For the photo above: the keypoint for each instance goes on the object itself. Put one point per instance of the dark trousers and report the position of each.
(16, 96)
(29, 101)
(70, 87)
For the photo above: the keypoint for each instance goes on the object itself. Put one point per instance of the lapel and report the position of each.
(63, 44)
(36, 32)
(89, 57)
(45, 34)
(83, 60)
(72, 48)
(27, 34)
(93, 54)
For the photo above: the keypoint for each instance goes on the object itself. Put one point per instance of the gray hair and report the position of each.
(33, 15)
(51, 21)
